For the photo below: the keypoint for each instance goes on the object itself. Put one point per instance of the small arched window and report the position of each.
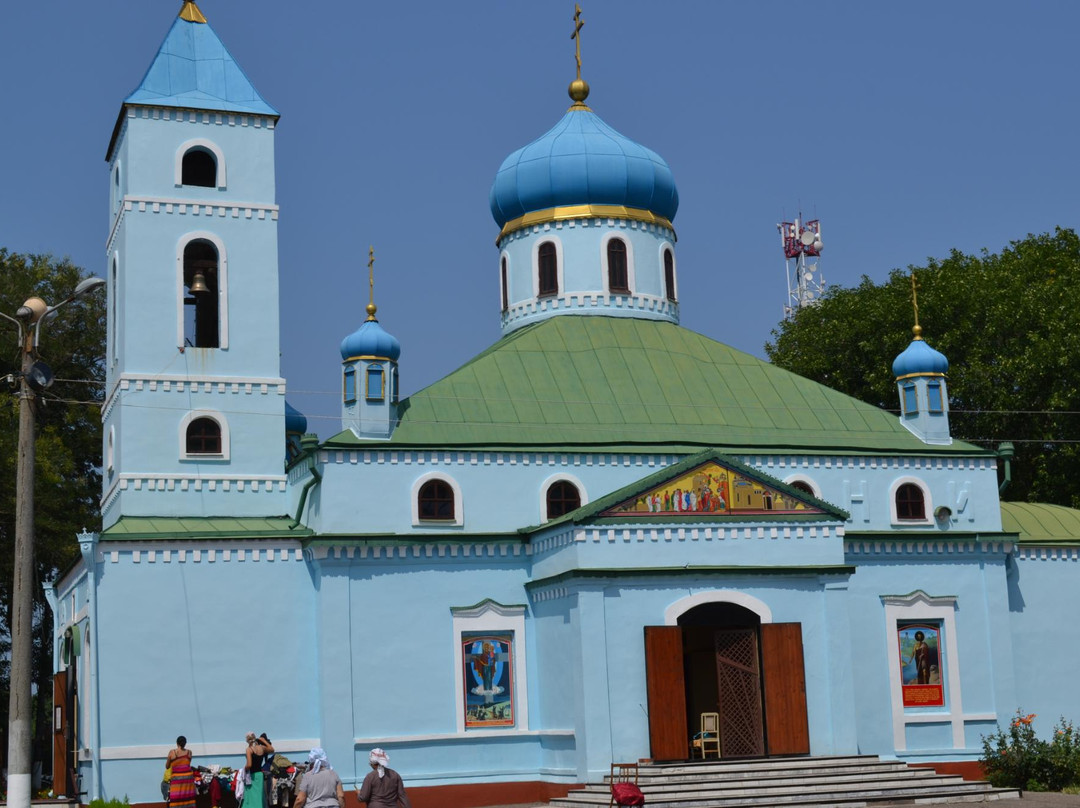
(910, 503)
(669, 275)
(204, 437)
(562, 497)
(548, 270)
(435, 501)
(618, 280)
(802, 485)
(505, 291)
(199, 168)
(201, 327)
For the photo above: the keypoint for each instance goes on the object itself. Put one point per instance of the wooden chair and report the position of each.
(708, 737)
(622, 773)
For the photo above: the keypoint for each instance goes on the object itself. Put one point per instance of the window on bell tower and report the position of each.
(505, 291)
(548, 269)
(669, 275)
(199, 168)
(618, 280)
(201, 292)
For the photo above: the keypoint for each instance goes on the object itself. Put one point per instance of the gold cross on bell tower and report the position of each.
(371, 283)
(579, 88)
(916, 329)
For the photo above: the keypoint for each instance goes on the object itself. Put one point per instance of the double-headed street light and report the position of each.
(34, 377)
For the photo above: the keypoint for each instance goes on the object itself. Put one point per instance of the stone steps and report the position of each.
(818, 782)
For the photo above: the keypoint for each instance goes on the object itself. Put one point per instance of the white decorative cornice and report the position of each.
(926, 547)
(432, 549)
(1048, 554)
(200, 551)
(183, 383)
(486, 607)
(735, 532)
(229, 483)
(595, 302)
(259, 211)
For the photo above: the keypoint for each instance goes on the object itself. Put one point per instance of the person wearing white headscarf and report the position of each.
(320, 786)
(382, 788)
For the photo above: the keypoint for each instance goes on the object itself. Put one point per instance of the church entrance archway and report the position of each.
(722, 657)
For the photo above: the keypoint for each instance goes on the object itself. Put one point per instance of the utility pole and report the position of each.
(34, 377)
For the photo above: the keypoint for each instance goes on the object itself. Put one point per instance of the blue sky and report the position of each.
(907, 128)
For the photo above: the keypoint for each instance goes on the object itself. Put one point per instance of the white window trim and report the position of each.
(117, 196)
(210, 146)
(491, 617)
(459, 513)
(223, 286)
(631, 274)
(221, 421)
(667, 245)
(680, 607)
(550, 481)
(504, 279)
(560, 265)
(114, 305)
(919, 606)
(928, 502)
(802, 478)
(110, 449)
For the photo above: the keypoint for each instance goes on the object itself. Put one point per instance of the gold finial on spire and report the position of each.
(579, 88)
(371, 283)
(191, 13)
(916, 329)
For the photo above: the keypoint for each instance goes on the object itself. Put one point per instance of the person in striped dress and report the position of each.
(182, 779)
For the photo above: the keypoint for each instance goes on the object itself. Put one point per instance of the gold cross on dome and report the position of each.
(371, 283)
(576, 36)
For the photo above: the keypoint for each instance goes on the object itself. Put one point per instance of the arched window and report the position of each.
(505, 291)
(201, 327)
(548, 271)
(616, 266)
(204, 437)
(669, 275)
(802, 485)
(435, 501)
(562, 497)
(199, 168)
(910, 503)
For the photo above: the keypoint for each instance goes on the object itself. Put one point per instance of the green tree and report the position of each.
(1009, 324)
(68, 476)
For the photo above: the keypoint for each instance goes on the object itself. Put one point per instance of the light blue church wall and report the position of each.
(1044, 601)
(976, 669)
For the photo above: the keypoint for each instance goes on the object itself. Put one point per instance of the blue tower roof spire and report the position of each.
(194, 70)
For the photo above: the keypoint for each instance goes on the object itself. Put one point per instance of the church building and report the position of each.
(557, 557)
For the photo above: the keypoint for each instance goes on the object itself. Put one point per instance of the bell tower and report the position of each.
(194, 417)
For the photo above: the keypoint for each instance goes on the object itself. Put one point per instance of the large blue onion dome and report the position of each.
(919, 359)
(582, 161)
(295, 422)
(370, 340)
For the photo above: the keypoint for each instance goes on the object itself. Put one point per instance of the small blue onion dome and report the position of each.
(295, 422)
(582, 161)
(370, 340)
(919, 358)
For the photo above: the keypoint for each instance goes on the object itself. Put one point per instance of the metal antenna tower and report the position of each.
(802, 252)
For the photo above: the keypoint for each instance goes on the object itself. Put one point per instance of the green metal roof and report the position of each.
(131, 528)
(624, 384)
(1037, 522)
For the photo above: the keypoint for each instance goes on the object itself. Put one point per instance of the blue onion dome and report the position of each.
(582, 161)
(370, 340)
(919, 359)
(295, 422)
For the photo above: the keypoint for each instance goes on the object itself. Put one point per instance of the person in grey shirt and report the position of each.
(320, 786)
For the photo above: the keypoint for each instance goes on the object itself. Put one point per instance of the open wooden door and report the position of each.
(668, 737)
(784, 679)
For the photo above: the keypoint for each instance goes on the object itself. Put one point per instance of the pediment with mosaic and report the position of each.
(712, 489)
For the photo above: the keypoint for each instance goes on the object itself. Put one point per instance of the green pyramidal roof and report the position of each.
(194, 70)
(637, 385)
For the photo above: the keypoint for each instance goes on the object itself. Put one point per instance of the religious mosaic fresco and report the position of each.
(489, 691)
(920, 664)
(711, 489)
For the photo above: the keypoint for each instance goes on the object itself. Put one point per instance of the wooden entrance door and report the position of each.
(666, 691)
(738, 679)
(784, 679)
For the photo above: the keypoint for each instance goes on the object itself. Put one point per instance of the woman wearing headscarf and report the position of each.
(382, 788)
(320, 787)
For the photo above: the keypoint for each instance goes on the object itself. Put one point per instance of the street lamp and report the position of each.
(34, 377)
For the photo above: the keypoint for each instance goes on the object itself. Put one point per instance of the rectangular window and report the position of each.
(488, 679)
(375, 391)
(933, 396)
(911, 401)
(921, 671)
(349, 386)
(395, 382)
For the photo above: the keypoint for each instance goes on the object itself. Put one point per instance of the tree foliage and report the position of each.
(67, 481)
(1009, 324)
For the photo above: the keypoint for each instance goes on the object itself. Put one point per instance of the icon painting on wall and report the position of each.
(489, 691)
(712, 490)
(920, 664)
